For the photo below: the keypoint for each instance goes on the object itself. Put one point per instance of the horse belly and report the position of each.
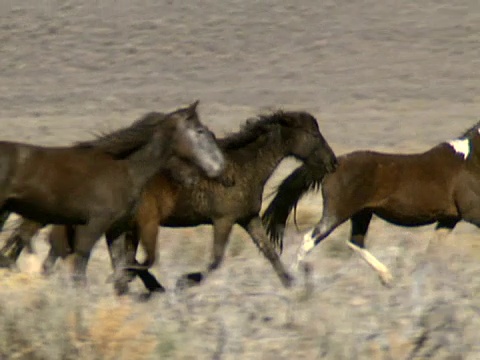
(414, 213)
(197, 207)
(44, 213)
(402, 219)
(188, 212)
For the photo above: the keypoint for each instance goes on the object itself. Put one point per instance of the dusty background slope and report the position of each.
(389, 75)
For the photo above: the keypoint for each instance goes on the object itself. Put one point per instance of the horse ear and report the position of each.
(193, 107)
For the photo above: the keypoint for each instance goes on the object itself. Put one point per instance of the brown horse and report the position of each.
(441, 185)
(251, 155)
(88, 188)
(119, 144)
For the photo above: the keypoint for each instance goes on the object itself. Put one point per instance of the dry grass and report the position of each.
(432, 311)
(104, 63)
(340, 312)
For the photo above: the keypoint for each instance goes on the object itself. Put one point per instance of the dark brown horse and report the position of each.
(118, 144)
(88, 188)
(251, 157)
(441, 185)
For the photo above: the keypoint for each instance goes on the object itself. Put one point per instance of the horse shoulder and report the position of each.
(160, 194)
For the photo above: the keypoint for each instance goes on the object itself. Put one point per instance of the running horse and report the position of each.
(88, 189)
(251, 154)
(440, 186)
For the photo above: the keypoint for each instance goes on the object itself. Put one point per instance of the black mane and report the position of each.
(264, 123)
(123, 142)
(251, 130)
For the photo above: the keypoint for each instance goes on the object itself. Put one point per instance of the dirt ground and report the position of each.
(390, 75)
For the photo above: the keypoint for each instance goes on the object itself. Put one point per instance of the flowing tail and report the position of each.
(287, 196)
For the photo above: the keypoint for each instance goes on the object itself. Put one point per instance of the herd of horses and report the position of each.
(169, 169)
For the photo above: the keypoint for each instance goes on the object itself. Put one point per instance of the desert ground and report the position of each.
(383, 75)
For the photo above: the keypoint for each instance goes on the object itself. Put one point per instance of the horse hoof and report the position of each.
(149, 295)
(129, 276)
(386, 279)
(189, 280)
(287, 280)
(159, 289)
(120, 287)
(144, 297)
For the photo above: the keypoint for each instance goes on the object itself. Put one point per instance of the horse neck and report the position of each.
(262, 160)
(147, 161)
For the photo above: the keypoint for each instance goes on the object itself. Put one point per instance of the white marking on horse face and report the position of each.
(461, 146)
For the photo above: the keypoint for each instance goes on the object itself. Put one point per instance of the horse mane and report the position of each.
(252, 130)
(287, 196)
(125, 141)
(471, 131)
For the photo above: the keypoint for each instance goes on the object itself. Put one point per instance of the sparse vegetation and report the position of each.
(387, 76)
(242, 311)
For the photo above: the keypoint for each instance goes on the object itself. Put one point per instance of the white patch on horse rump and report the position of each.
(461, 146)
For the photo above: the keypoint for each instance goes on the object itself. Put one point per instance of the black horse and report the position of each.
(251, 155)
(441, 185)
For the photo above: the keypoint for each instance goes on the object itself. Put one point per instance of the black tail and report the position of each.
(287, 196)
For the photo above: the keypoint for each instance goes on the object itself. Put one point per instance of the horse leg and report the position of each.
(221, 234)
(148, 231)
(360, 222)
(122, 251)
(259, 236)
(6, 260)
(3, 217)
(20, 239)
(26, 231)
(11, 251)
(116, 246)
(49, 262)
(312, 238)
(149, 281)
(61, 239)
(85, 238)
(126, 250)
